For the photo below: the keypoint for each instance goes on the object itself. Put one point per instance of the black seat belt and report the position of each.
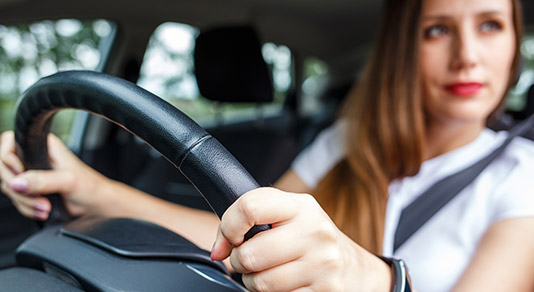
(438, 195)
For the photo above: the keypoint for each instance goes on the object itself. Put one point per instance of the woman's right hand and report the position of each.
(70, 177)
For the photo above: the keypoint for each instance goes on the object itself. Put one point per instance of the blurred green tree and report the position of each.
(31, 51)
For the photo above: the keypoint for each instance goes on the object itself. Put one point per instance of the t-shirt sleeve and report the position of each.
(316, 160)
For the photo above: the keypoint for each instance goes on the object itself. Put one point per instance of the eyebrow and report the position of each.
(480, 14)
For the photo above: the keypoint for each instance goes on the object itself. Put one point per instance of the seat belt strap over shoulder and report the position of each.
(438, 195)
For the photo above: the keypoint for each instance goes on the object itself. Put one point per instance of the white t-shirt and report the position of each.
(440, 250)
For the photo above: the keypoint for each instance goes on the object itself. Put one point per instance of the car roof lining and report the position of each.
(307, 26)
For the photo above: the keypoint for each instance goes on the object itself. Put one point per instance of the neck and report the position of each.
(444, 137)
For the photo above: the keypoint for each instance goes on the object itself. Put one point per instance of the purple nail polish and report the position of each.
(42, 208)
(41, 215)
(14, 170)
(19, 185)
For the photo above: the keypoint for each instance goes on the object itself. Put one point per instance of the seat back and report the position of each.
(229, 67)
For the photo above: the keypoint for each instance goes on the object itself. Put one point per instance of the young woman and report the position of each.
(440, 71)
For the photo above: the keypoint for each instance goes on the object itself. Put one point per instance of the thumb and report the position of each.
(43, 182)
(222, 248)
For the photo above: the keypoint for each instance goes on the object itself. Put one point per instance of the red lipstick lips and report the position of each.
(463, 89)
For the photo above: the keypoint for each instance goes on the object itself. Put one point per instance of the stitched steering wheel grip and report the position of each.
(214, 172)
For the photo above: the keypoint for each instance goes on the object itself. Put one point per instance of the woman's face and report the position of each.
(467, 50)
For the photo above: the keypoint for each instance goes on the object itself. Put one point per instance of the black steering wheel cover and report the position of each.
(214, 172)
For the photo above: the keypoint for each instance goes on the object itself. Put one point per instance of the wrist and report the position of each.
(400, 280)
(372, 273)
(384, 279)
(99, 194)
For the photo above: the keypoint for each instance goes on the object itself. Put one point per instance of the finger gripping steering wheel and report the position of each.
(214, 172)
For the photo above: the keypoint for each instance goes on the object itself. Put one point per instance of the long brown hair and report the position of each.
(385, 130)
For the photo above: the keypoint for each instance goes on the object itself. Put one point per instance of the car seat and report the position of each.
(229, 68)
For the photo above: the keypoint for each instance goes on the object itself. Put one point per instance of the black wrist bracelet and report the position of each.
(401, 279)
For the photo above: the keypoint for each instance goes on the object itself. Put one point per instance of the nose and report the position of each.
(464, 51)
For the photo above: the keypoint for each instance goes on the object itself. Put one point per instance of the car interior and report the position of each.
(228, 64)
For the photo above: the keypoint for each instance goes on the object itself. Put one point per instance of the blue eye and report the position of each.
(436, 31)
(490, 26)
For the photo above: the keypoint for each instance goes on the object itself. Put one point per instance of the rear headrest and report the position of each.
(528, 110)
(229, 66)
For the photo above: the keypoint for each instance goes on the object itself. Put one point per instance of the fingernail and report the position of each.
(14, 170)
(42, 208)
(41, 215)
(19, 185)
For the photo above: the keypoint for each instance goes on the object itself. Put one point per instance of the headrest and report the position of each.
(229, 66)
(529, 106)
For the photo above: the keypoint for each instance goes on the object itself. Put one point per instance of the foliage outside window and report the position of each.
(517, 98)
(315, 82)
(31, 51)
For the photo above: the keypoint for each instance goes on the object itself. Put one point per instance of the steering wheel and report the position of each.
(212, 170)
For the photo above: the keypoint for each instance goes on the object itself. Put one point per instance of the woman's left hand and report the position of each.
(304, 250)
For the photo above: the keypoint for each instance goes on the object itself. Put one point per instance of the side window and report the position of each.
(167, 71)
(518, 96)
(31, 51)
(315, 83)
